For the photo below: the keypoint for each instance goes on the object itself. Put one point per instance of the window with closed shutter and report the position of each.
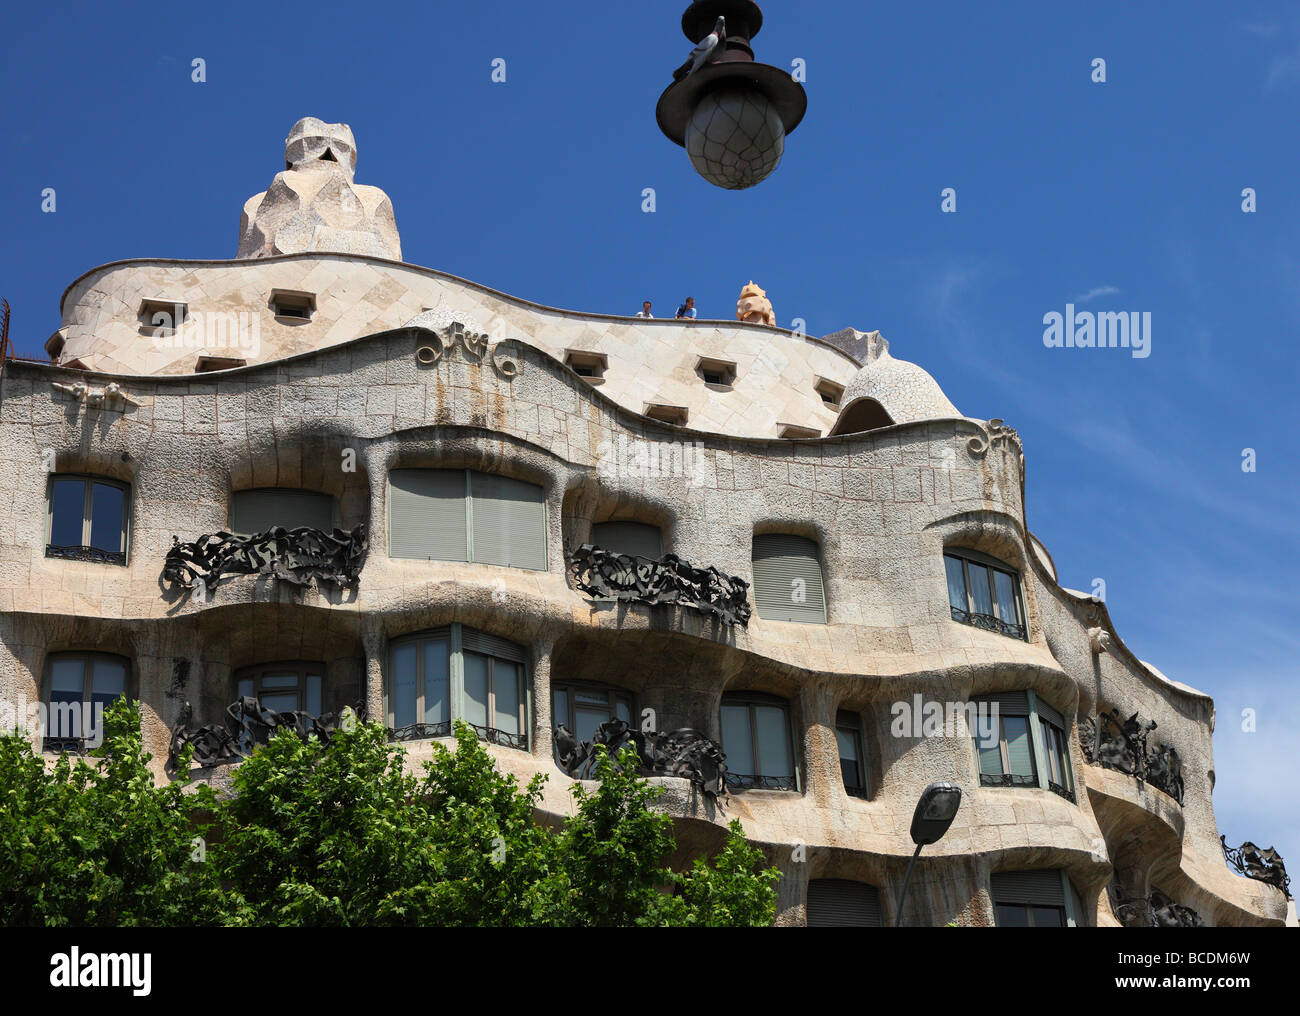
(256, 511)
(788, 579)
(635, 539)
(1029, 899)
(840, 903)
(461, 515)
(509, 522)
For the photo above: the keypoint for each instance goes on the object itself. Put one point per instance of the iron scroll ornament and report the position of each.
(1262, 865)
(686, 753)
(299, 556)
(247, 725)
(1113, 743)
(669, 580)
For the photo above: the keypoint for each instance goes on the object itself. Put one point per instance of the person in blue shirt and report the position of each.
(687, 310)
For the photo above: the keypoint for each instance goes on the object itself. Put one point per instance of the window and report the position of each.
(853, 767)
(636, 539)
(582, 708)
(256, 511)
(284, 687)
(79, 687)
(1026, 748)
(830, 392)
(756, 740)
(793, 432)
(1004, 752)
(87, 519)
(1034, 899)
(287, 303)
(840, 903)
(587, 364)
(162, 316)
(1056, 751)
(985, 593)
(457, 672)
(676, 415)
(207, 364)
(462, 515)
(788, 579)
(719, 373)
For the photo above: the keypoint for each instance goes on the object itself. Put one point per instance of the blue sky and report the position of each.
(1128, 190)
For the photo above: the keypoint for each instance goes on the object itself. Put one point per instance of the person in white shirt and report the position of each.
(645, 310)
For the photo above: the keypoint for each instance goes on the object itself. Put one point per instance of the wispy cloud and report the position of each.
(1094, 294)
(1282, 66)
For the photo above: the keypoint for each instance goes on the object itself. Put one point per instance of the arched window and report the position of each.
(78, 688)
(756, 740)
(841, 903)
(788, 579)
(256, 511)
(457, 672)
(88, 519)
(984, 592)
(636, 539)
(462, 515)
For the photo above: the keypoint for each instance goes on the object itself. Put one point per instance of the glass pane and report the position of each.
(1019, 753)
(107, 511)
(588, 720)
(402, 704)
(1048, 917)
(244, 689)
(773, 741)
(848, 742)
(313, 704)
(476, 689)
(1052, 750)
(989, 759)
(623, 710)
(279, 680)
(736, 741)
(69, 507)
(559, 708)
(437, 670)
(108, 678)
(67, 684)
(1006, 586)
(505, 697)
(1012, 917)
(979, 588)
(956, 583)
(592, 698)
(849, 773)
(280, 701)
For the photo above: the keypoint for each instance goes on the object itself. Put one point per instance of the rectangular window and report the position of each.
(756, 740)
(984, 593)
(87, 519)
(79, 687)
(788, 579)
(462, 515)
(848, 737)
(256, 511)
(1010, 761)
(284, 687)
(1029, 899)
(583, 708)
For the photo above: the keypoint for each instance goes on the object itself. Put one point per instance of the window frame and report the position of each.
(330, 498)
(850, 722)
(61, 744)
(987, 622)
(305, 669)
(1037, 715)
(613, 694)
(85, 551)
(761, 699)
(453, 634)
(817, 552)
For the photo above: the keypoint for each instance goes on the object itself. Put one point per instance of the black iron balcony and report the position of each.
(752, 781)
(1113, 743)
(92, 554)
(1007, 780)
(988, 622)
(669, 580)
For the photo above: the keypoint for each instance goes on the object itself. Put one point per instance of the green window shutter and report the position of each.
(1029, 888)
(256, 511)
(426, 514)
(636, 539)
(1020, 749)
(1049, 714)
(839, 903)
(1013, 703)
(788, 579)
(490, 645)
(509, 520)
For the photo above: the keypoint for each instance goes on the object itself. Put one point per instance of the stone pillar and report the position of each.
(375, 643)
(542, 739)
(821, 757)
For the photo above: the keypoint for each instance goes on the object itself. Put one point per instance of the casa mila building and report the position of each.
(259, 491)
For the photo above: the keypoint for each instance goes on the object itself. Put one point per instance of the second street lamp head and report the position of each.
(934, 812)
(730, 114)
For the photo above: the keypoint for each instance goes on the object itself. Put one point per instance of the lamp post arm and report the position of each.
(902, 897)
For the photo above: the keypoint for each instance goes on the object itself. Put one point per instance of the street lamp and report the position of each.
(730, 113)
(934, 814)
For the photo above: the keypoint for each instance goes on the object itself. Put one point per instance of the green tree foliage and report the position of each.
(341, 835)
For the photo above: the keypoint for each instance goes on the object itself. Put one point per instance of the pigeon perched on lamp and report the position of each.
(708, 50)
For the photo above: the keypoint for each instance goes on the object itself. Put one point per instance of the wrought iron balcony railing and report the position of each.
(667, 581)
(1061, 791)
(92, 554)
(1263, 865)
(988, 623)
(1007, 780)
(753, 781)
(1113, 743)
